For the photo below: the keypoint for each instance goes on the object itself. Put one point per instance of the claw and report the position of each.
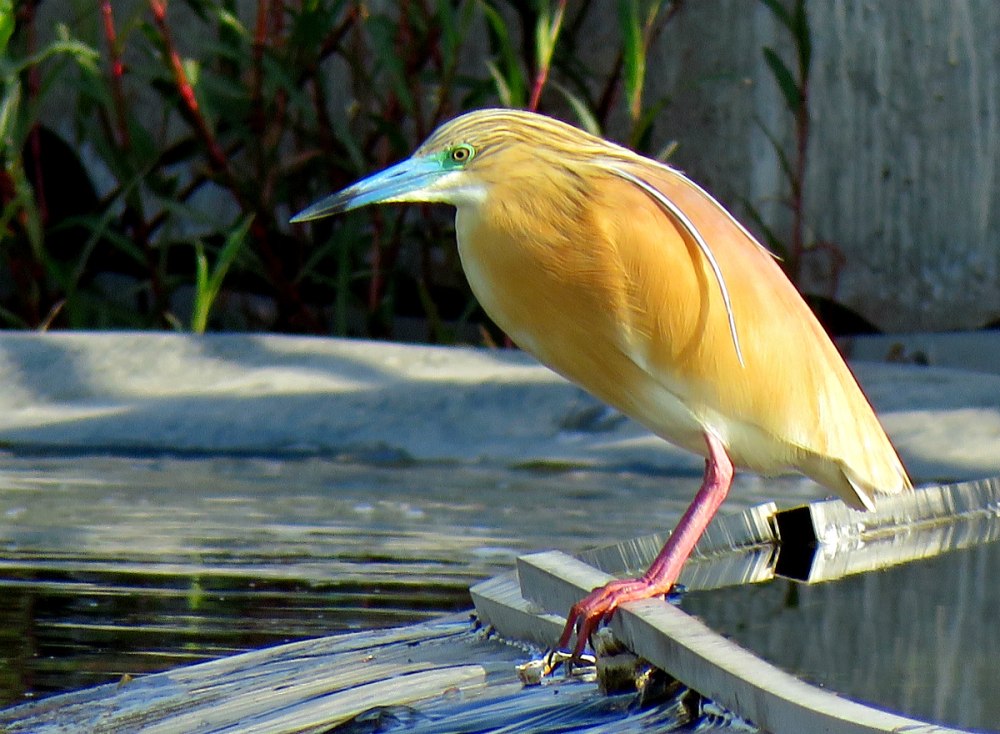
(535, 671)
(554, 659)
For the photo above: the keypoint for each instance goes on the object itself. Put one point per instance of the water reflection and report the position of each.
(114, 566)
(918, 638)
(124, 565)
(894, 607)
(905, 618)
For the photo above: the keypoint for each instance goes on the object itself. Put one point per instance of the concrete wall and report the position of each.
(905, 138)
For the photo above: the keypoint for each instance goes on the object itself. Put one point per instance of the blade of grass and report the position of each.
(508, 72)
(633, 58)
(208, 282)
(783, 76)
(6, 24)
(546, 33)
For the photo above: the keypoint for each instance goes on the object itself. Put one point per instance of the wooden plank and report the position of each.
(713, 666)
(304, 687)
(499, 603)
(313, 705)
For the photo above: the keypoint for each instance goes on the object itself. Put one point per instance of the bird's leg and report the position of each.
(587, 613)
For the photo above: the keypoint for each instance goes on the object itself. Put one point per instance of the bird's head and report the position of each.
(462, 158)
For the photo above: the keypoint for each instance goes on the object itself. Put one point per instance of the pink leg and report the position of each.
(587, 613)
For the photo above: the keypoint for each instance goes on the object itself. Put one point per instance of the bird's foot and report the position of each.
(587, 614)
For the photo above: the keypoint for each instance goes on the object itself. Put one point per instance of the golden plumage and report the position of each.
(586, 271)
(627, 278)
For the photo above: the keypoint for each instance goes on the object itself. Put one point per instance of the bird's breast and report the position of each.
(565, 302)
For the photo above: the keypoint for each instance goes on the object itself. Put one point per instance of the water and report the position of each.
(919, 638)
(115, 565)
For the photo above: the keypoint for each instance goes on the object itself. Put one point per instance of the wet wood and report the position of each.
(302, 687)
(705, 661)
(826, 537)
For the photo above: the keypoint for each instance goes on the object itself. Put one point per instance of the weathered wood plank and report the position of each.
(705, 661)
(826, 538)
(301, 687)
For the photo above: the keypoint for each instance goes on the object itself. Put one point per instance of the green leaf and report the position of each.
(546, 32)
(6, 23)
(580, 109)
(202, 303)
(803, 37)
(80, 52)
(231, 21)
(383, 32)
(450, 35)
(786, 82)
(633, 54)
(9, 104)
(780, 12)
(503, 89)
(508, 74)
(208, 284)
(642, 126)
(771, 240)
(786, 165)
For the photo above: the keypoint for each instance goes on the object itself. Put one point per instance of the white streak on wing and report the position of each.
(724, 211)
(674, 211)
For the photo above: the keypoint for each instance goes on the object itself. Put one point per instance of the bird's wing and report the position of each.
(793, 400)
(681, 219)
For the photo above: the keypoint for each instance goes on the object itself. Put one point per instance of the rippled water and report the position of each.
(112, 565)
(115, 565)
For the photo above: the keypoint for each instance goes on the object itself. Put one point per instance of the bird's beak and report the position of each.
(396, 183)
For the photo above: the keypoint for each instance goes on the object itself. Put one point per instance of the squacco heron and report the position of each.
(627, 278)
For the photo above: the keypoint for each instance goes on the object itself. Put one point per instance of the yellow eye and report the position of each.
(461, 153)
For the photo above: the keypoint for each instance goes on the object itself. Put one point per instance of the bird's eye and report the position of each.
(462, 153)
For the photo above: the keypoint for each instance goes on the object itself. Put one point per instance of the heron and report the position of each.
(629, 279)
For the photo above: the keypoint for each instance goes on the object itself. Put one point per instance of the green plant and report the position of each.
(793, 84)
(35, 275)
(208, 279)
(208, 139)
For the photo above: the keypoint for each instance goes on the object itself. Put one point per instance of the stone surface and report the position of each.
(390, 402)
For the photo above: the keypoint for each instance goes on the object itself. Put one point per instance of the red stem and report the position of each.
(543, 72)
(190, 103)
(117, 74)
(288, 294)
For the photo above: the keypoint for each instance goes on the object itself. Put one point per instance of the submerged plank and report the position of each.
(424, 679)
(301, 687)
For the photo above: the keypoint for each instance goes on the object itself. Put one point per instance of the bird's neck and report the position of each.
(537, 201)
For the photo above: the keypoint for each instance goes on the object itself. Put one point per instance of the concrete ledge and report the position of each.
(388, 402)
(978, 351)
